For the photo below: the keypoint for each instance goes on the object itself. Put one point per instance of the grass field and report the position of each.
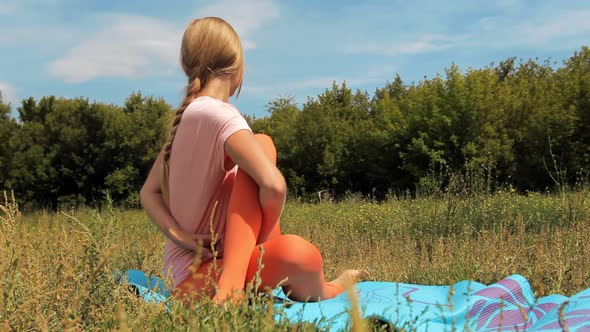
(57, 269)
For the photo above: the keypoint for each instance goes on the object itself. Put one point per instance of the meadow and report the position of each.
(58, 270)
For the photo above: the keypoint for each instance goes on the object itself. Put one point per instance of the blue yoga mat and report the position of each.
(506, 305)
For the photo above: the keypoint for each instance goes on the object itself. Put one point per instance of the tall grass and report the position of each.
(59, 270)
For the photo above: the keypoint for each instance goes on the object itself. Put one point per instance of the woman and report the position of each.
(216, 180)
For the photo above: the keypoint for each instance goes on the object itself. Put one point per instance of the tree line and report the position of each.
(522, 123)
(64, 152)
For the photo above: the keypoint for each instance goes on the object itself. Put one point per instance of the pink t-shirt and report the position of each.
(201, 175)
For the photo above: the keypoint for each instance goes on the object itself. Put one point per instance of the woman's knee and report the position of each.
(268, 145)
(300, 253)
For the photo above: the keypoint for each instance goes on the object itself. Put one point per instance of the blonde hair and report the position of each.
(210, 47)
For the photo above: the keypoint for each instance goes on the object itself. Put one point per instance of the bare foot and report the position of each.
(350, 277)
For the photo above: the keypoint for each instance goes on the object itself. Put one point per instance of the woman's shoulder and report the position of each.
(207, 108)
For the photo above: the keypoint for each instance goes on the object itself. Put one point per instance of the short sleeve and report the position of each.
(230, 126)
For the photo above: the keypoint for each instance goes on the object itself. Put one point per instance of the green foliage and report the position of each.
(71, 152)
(7, 129)
(525, 124)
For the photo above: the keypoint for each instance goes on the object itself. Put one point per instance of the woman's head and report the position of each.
(211, 47)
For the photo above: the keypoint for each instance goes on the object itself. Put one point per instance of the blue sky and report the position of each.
(105, 49)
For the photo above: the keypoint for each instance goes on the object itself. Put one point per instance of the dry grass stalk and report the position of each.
(358, 323)
(562, 320)
(51, 264)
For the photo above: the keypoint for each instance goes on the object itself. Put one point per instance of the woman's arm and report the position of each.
(152, 201)
(240, 240)
(246, 152)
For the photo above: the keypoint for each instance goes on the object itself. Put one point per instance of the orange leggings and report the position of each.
(287, 258)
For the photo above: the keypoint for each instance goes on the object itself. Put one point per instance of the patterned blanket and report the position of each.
(467, 305)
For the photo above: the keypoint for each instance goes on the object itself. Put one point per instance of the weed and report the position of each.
(57, 270)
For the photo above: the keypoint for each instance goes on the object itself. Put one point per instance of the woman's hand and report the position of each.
(157, 209)
(188, 240)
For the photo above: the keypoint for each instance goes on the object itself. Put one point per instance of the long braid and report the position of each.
(191, 92)
(210, 47)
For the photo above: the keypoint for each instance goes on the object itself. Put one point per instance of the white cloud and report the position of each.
(561, 25)
(7, 7)
(424, 43)
(137, 46)
(546, 28)
(326, 82)
(509, 5)
(51, 37)
(366, 75)
(127, 46)
(246, 16)
(320, 83)
(8, 93)
(503, 24)
(489, 23)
